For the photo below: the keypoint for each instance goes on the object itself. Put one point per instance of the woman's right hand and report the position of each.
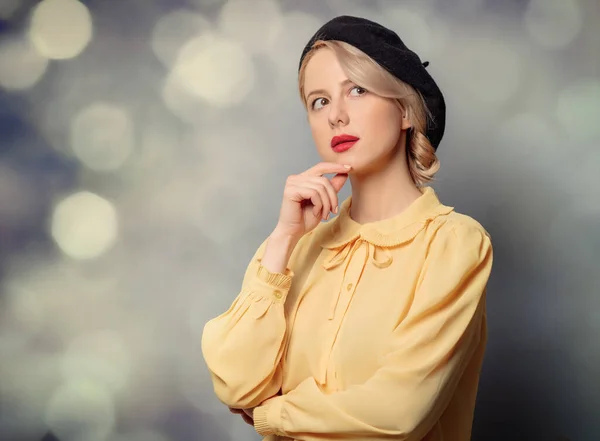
(310, 197)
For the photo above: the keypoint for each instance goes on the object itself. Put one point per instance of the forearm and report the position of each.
(251, 333)
(278, 251)
(392, 405)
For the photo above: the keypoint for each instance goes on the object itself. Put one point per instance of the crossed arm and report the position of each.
(427, 355)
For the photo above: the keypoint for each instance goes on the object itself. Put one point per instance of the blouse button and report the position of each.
(278, 294)
(349, 287)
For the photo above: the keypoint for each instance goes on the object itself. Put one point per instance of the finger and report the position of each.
(247, 419)
(325, 199)
(317, 201)
(338, 181)
(326, 167)
(331, 193)
(301, 193)
(236, 411)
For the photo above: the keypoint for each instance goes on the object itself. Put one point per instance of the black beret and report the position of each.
(386, 48)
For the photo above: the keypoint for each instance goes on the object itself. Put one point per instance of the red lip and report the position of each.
(343, 142)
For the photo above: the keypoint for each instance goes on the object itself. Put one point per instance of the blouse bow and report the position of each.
(379, 256)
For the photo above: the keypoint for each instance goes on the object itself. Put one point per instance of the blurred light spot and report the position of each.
(84, 225)
(173, 30)
(21, 66)
(37, 287)
(578, 109)
(490, 70)
(189, 108)
(101, 356)
(299, 28)
(102, 136)
(257, 24)
(60, 29)
(553, 23)
(215, 69)
(8, 8)
(81, 410)
(140, 435)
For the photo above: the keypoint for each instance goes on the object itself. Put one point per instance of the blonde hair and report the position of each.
(362, 70)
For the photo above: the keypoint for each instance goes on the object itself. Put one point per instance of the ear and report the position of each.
(405, 123)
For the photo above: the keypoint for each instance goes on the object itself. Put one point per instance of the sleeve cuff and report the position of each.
(277, 280)
(267, 417)
(274, 285)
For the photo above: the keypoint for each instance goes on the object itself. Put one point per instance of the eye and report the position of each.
(357, 91)
(319, 103)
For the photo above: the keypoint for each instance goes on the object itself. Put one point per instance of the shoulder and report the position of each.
(459, 223)
(459, 233)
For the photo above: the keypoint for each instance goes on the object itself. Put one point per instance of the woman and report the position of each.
(371, 325)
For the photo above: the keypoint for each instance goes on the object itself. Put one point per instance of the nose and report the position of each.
(338, 114)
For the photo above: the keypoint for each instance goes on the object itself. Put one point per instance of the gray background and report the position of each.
(143, 150)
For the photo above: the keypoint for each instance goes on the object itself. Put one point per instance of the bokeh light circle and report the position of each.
(102, 136)
(216, 69)
(81, 409)
(553, 23)
(60, 29)
(256, 25)
(84, 225)
(21, 66)
(173, 30)
(299, 27)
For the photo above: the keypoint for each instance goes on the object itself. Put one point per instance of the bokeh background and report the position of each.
(144, 145)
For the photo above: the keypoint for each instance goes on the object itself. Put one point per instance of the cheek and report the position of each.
(383, 124)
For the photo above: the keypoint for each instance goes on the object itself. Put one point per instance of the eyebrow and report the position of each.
(324, 92)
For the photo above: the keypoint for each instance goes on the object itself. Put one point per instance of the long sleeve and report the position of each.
(425, 357)
(243, 346)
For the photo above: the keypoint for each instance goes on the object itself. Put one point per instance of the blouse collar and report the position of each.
(387, 232)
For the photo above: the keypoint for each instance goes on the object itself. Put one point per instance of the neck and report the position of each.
(383, 193)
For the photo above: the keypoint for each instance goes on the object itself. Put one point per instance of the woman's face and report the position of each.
(337, 107)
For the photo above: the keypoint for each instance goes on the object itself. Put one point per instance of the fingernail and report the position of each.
(348, 166)
(336, 210)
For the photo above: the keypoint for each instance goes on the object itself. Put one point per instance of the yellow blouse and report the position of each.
(375, 331)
